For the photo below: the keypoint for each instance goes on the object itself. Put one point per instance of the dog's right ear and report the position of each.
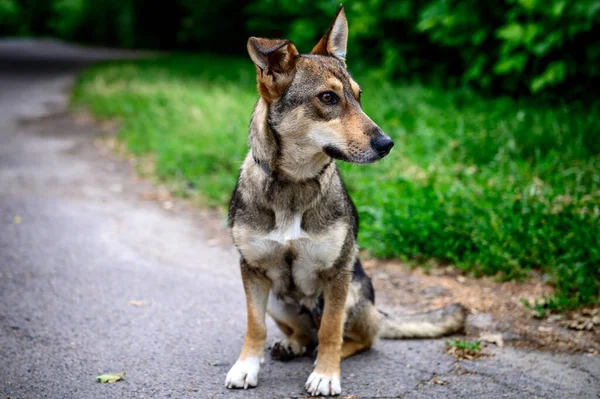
(272, 55)
(275, 59)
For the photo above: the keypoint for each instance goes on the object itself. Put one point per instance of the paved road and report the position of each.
(77, 244)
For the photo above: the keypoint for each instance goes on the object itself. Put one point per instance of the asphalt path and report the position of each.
(95, 279)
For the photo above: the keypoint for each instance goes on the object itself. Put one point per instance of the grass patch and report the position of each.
(496, 186)
(463, 349)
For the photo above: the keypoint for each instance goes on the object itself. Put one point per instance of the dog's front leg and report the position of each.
(325, 379)
(244, 373)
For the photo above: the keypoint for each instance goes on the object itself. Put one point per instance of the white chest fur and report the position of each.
(310, 253)
(289, 229)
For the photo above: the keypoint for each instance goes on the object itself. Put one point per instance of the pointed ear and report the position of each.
(336, 38)
(272, 55)
(275, 62)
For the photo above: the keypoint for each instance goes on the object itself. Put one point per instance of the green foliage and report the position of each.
(106, 22)
(191, 112)
(532, 43)
(497, 186)
(510, 46)
(213, 25)
(470, 347)
(10, 17)
(69, 17)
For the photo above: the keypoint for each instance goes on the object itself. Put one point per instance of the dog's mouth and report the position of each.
(371, 155)
(383, 154)
(335, 153)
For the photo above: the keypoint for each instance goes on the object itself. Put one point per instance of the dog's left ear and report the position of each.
(335, 40)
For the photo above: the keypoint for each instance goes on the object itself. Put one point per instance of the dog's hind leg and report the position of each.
(244, 373)
(361, 331)
(350, 347)
(295, 326)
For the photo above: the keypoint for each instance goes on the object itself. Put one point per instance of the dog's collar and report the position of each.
(263, 166)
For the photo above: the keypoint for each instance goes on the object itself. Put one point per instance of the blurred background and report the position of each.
(493, 105)
(502, 46)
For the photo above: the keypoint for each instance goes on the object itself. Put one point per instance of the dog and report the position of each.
(294, 223)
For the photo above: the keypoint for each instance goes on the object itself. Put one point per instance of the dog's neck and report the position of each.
(279, 157)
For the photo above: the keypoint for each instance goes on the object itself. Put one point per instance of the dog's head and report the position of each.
(314, 104)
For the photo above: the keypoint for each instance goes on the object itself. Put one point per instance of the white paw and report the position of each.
(321, 385)
(243, 374)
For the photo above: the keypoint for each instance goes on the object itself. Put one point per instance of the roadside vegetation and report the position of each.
(496, 186)
(463, 349)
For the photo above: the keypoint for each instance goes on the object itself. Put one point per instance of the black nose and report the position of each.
(382, 144)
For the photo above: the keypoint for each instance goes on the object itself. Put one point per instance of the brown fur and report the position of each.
(295, 225)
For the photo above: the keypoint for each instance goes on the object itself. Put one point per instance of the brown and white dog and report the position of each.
(295, 225)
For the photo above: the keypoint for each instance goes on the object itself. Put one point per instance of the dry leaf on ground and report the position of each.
(138, 303)
(110, 378)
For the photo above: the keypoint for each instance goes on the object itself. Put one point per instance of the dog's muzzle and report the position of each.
(382, 144)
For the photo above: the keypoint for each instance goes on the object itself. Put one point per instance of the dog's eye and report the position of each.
(328, 98)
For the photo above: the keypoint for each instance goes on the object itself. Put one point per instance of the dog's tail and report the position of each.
(437, 323)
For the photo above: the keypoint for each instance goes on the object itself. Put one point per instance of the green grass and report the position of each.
(463, 348)
(496, 186)
(470, 346)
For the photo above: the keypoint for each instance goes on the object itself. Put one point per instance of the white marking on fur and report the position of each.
(317, 252)
(321, 385)
(321, 250)
(322, 134)
(244, 373)
(314, 252)
(288, 230)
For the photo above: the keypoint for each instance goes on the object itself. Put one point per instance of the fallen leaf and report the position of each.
(495, 339)
(110, 378)
(216, 364)
(439, 382)
(137, 303)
